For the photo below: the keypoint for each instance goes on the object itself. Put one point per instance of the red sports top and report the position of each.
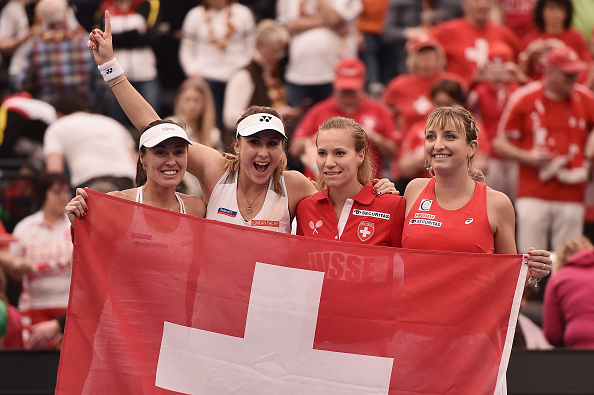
(430, 227)
(365, 219)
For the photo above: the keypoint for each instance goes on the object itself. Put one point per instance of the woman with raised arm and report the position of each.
(250, 188)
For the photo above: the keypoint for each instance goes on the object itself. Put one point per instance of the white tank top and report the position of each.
(274, 214)
(139, 199)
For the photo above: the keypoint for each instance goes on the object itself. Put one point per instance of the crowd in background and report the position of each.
(522, 67)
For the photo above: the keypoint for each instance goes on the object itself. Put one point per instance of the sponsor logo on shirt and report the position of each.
(365, 230)
(468, 221)
(415, 221)
(374, 214)
(425, 205)
(262, 222)
(423, 215)
(226, 211)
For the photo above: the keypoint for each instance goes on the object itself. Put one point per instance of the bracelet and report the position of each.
(114, 83)
(532, 280)
(111, 70)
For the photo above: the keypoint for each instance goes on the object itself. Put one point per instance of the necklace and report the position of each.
(220, 43)
(249, 209)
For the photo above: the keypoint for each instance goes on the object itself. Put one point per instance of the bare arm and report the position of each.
(502, 219)
(298, 187)
(535, 157)
(54, 163)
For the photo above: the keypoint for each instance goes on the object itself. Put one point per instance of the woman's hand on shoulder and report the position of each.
(77, 207)
(384, 186)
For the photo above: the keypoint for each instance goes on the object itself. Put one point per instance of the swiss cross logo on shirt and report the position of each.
(365, 230)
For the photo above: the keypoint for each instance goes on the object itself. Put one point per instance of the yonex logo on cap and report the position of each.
(265, 118)
(259, 122)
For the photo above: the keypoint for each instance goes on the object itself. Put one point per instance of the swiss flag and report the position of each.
(165, 303)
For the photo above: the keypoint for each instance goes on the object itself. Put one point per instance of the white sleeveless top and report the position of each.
(139, 199)
(274, 214)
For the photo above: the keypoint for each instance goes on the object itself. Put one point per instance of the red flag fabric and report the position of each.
(165, 303)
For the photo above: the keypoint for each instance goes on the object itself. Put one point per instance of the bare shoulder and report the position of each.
(499, 202)
(414, 188)
(298, 184)
(194, 205)
(128, 194)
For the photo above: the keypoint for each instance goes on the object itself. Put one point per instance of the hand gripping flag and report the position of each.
(165, 303)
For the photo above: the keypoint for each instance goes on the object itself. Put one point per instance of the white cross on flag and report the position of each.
(165, 303)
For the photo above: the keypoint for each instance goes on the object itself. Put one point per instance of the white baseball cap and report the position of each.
(161, 132)
(259, 122)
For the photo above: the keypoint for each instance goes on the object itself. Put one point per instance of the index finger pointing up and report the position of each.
(107, 23)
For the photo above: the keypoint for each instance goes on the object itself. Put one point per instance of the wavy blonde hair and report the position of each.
(568, 248)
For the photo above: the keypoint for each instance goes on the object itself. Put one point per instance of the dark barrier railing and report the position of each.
(555, 372)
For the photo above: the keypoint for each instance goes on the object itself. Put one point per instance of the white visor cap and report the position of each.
(259, 122)
(159, 133)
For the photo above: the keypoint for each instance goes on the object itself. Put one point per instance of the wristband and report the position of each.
(111, 70)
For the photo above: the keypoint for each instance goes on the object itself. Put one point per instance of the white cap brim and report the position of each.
(159, 133)
(258, 123)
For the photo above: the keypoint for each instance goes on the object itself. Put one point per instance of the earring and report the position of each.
(143, 166)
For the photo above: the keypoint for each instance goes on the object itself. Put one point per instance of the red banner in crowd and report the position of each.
(165, 303)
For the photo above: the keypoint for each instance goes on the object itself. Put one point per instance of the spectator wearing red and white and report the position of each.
(408, 95)
(545, 128)
(500, 78)
(350, 101)
(515, 14)
(466, 40)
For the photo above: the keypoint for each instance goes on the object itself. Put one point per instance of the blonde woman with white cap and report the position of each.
(250, 188)
(162, 163)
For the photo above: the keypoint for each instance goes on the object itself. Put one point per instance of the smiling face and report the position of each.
(259, 155)
(166, 162)
(447, 148)
(338, 161)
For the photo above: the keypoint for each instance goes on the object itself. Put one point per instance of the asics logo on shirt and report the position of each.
(468, 221)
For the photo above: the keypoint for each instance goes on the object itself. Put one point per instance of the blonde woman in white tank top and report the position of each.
(265, 194)
(162, 162)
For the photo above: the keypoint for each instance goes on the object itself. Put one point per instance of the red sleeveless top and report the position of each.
(430, 227)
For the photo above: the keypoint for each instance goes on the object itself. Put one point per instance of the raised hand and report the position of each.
(101, 42)
(77, 207)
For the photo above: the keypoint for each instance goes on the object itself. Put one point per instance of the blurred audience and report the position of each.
(544, 128)
(568, 319)
(41, 256)
(217, 40)
(92, 147)
(322, 33)
(466, 40)
(14, 31)
(551, 28)
(58, 60)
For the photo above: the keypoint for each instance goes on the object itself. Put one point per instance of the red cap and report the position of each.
(350, 74)
(565, 59)
(500, 50)
(423, 40)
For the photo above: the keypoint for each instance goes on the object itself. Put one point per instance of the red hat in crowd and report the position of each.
(423, 40)
(502, 51)
(565, 59)
(350, 74)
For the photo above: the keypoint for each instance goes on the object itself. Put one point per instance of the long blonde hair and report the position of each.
(233, 163)
(462, 120)
(205, 123)
(366, 169)
(568, 248)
